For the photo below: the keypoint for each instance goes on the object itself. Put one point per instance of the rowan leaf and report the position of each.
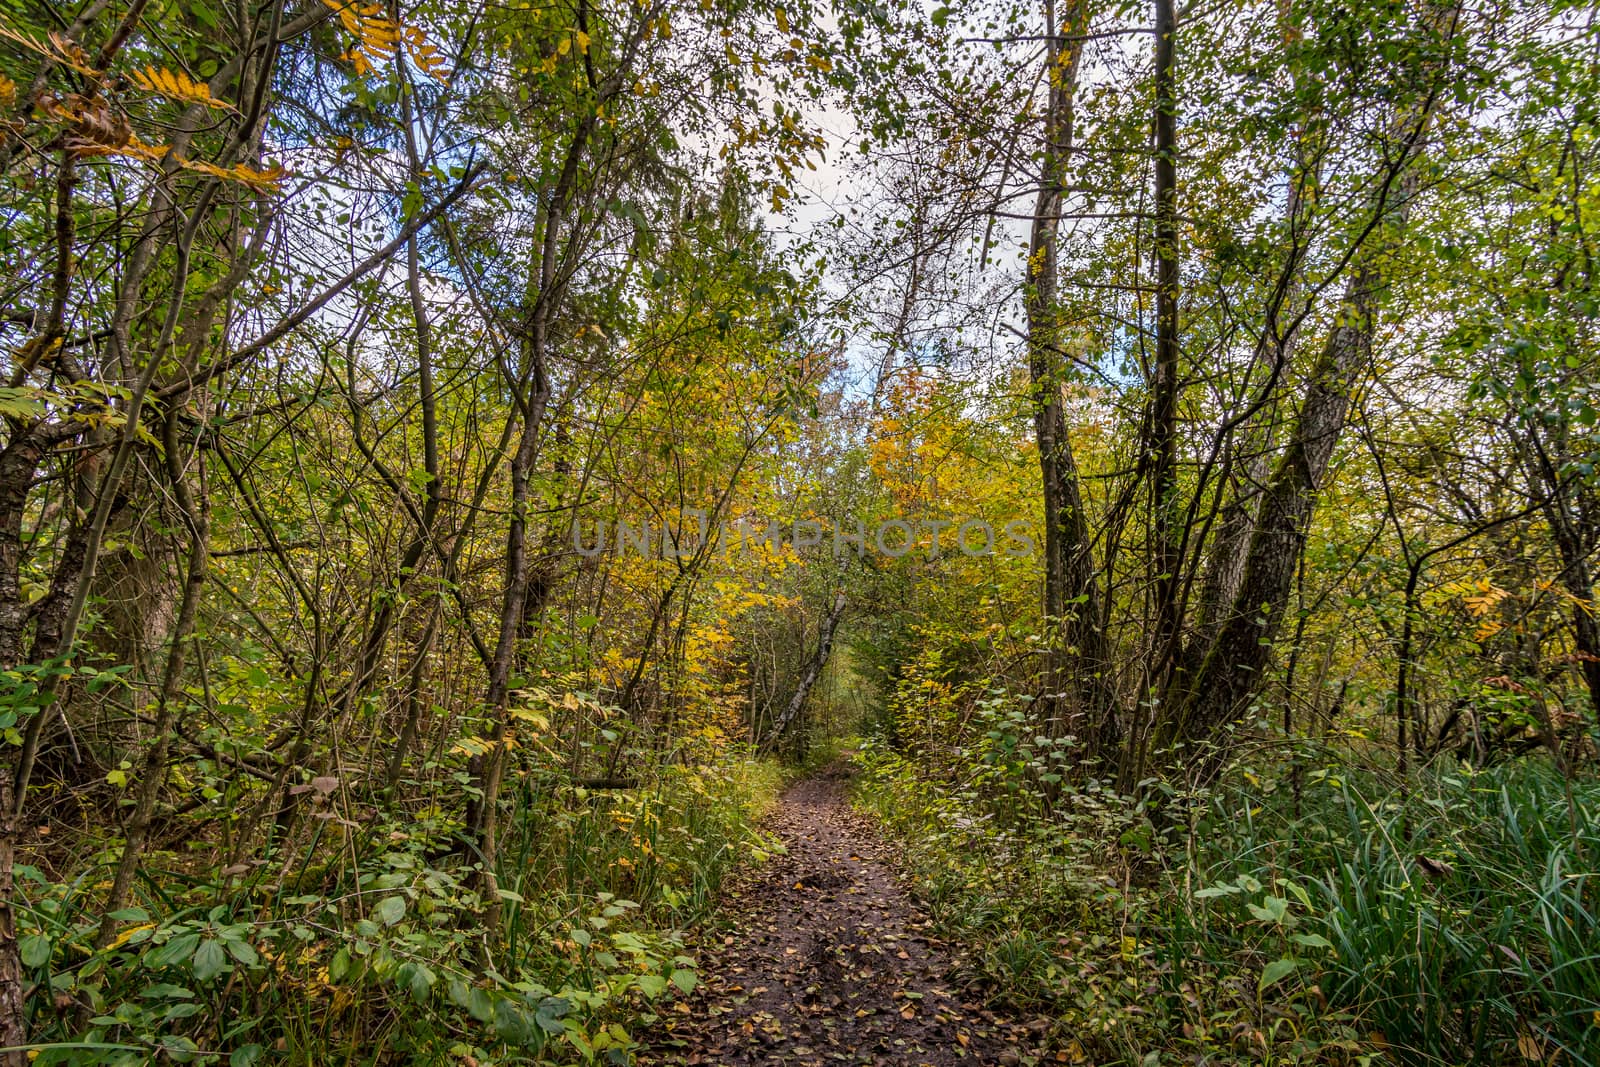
(177, 85)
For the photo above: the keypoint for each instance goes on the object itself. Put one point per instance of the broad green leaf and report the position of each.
(1278, 970)
(209, 960)
(242, 951)
(551, 1011)
(35, 950)
(179, 948)
(1311, 940)
(1271, 909)
(390, 910)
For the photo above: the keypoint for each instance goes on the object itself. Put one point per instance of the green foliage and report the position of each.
(303, 685)
(1045, 902)
(1457, 924)
(1298, 916)
(367, 939)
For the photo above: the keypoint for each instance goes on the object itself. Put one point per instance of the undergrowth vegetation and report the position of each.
(445, 447)
(1300, 910)
(360, 946)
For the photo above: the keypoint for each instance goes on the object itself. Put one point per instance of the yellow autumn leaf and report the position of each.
(1484, 597)
(176, 85)
(135, 149)
(126, 935)
(783, 20)
(471, 746)
(260, 179)
(530, 716)
(377, 36)
(424, 54)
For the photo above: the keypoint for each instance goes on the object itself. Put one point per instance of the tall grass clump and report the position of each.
(1455, 922)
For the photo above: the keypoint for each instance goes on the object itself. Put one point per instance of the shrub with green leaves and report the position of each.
(364, 944)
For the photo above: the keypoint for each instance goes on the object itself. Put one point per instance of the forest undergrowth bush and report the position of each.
(1305, 910)
(360, 943)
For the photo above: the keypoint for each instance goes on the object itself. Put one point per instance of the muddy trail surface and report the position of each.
(829, 961)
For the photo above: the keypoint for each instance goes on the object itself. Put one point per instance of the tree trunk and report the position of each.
(813, 671)
(1167, 515)
(1569, 515)
(1236, 660)
(154, 773)
(13, 1007)
(547, 284)
(1077, 673)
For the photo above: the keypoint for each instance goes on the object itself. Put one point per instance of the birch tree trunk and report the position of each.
(813, 671)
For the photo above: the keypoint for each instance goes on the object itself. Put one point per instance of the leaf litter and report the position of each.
(826, 960)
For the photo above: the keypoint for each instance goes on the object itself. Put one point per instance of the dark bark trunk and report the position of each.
(1234, 665)
(154, 772)
(18, 468)
(1238, 656)
(1247, 463)
(547, 285)
(19, 464)
(13, 1007)
(423, 538)
(1078, 678)
(1569, 516)
(1167, 513)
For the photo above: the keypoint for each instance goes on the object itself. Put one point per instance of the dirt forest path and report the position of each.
(829, 961)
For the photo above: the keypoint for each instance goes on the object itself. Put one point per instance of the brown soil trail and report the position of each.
(829, 961)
